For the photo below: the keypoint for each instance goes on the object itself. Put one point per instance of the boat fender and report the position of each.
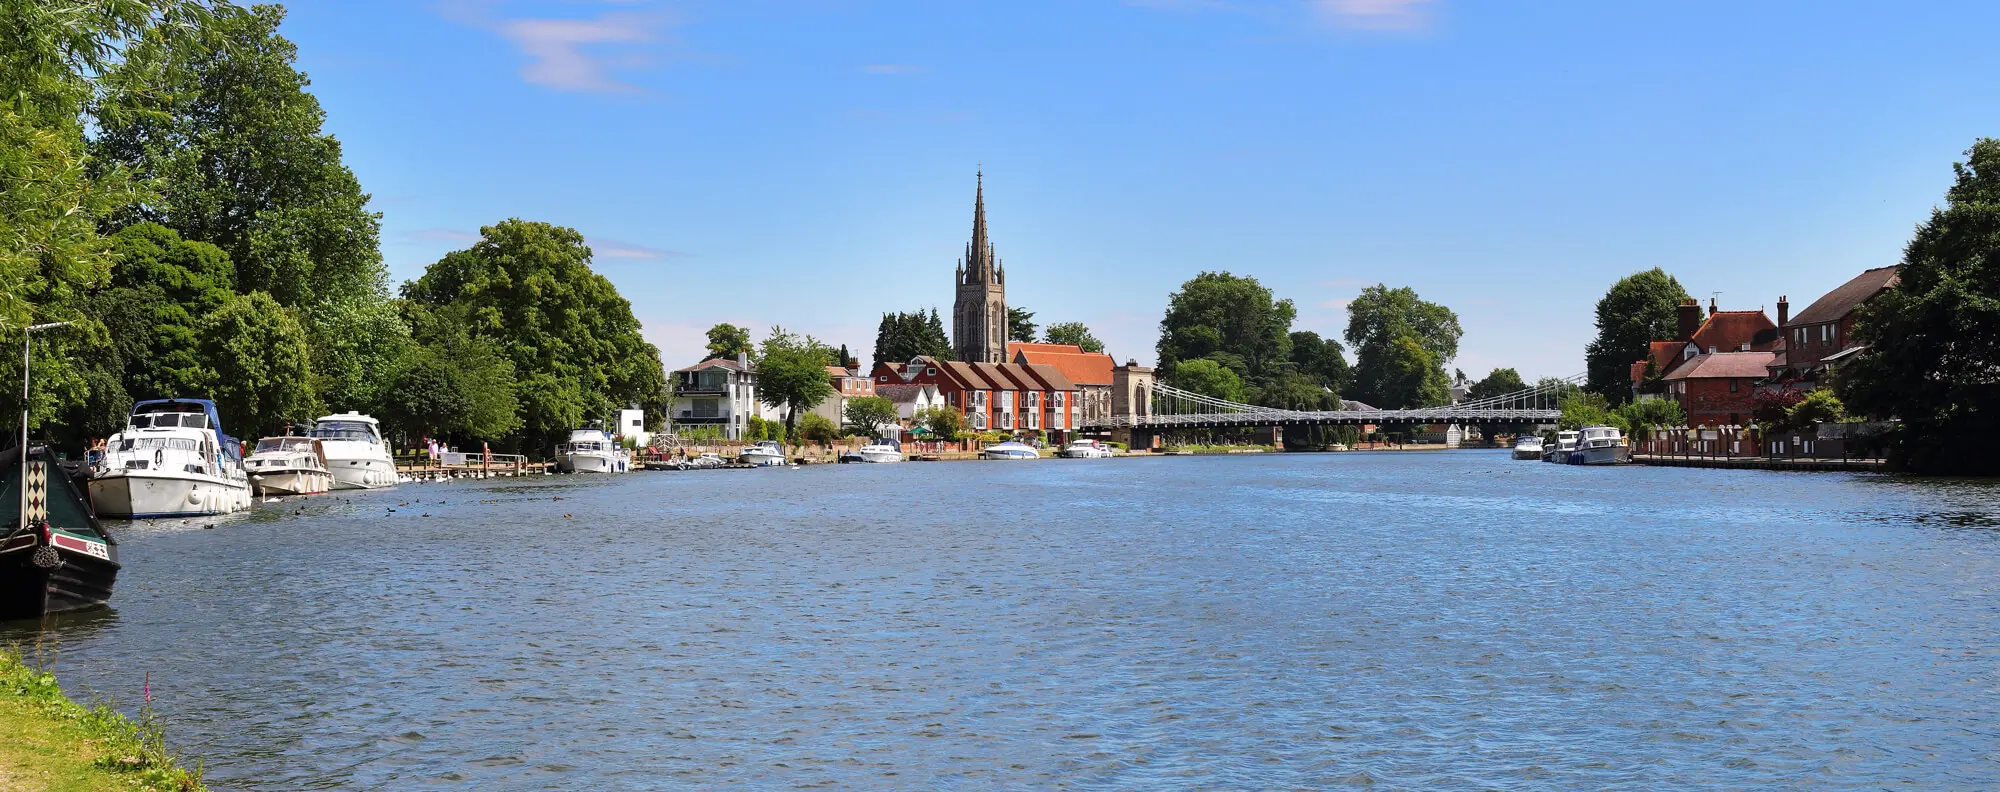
(46, 557)
(194, 497)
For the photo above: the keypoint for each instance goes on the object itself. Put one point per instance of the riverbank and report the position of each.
(58, 745)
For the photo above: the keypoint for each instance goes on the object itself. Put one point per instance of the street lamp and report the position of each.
(27, 339)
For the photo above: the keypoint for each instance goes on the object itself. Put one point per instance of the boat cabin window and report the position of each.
(345, 430)
(169, 420)
(283, 444)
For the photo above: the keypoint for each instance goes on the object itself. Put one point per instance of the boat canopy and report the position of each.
(186, 413)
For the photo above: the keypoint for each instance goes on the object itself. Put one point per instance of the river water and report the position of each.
(1439, 620)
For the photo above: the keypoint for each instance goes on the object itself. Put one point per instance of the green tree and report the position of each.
(903, 336)
(1642, 414)
(1379, 323)
(1323, 359)
(1293, 390)
(576, 349)
(944, 423)
(1589, 409)
(817, 430)
(1499, 382)
(847, 360)
(1020, 324)
(1934, 340)
(1636, 311)
(791, 374)
(867, 415)
(452, 385)
(1231, 320)
(221, 124)
(1074, 334)
(160, 289)
(1208, 378)
(727, 341)
(360, 343)
(1819, 406)
(261, 361)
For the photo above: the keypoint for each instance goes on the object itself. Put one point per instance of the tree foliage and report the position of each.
(1402, 344)
(1020, 324)
(867, 415)
(1636, 311)
(726, 340)
(817, 430)
(261, 363)
(791, 374)
(1934, 340)
(944, 423)
(1072, 333)
(1209, 378)
(575, 347)
(1499, 382)
(1229, 320)
(1322, 359)
(902, 336)
(221, 124)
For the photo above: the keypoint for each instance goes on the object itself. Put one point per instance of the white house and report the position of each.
(632, 423)
(910, 399)
(719, 393)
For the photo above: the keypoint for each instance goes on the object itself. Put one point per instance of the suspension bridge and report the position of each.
(1168, 407)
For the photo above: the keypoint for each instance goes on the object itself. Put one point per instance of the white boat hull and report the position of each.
(1527, 453)
(352, 474)
(868, 455)
(761, 459)
(1606, 455)
(592, 463)
(119, 494)
(1012, 455)
(291, 482)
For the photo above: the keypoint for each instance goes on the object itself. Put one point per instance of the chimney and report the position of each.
(1689, 319)
(1711, 306)
(1784, 312)
(743, 361)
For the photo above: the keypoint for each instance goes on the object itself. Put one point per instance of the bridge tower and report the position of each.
(1131, 395)
(979, 316)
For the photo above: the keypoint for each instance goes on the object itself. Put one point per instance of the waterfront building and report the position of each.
(1717, 388)
(910, 400)
(718, 394)
(847, 384)
(1821, 337)
(1092, 372)
(979, 314)
(1006, 397)
(1721, 332)
(632, 424)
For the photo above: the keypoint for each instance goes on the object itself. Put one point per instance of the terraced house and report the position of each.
(1006, 397)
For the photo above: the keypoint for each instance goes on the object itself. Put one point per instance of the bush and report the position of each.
(816, 429)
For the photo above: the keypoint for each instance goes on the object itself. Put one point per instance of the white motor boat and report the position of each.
(356, 454)
(1598, 445)
(288, 465)
(705, 461)
(1012, 449)
(171, 460)
(882, 450)
(1085, 449)
(1565, 443)
(1528, 446)
(766, 453)
(592, 451)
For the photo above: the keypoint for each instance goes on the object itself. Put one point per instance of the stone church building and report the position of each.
(979, 316)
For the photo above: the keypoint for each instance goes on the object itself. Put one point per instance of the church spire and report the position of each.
(979, 261)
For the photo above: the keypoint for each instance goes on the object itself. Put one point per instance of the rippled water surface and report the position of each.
(1415, 621)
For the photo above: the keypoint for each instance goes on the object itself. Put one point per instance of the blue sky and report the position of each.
(810, 163)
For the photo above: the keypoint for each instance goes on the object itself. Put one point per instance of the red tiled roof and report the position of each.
(838, 371)
(1728, 331)
(1031, 346)
(1082, 368)
(1850, 295)
(901, 394)
(965, 374)
(728, 363)
(1725, 365)
(1051, 376)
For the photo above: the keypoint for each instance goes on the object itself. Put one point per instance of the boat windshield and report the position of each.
(169, 420)
(344, 430)
(587, 446)
(283, 444)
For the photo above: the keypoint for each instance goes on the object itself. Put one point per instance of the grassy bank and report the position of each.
(48, 742)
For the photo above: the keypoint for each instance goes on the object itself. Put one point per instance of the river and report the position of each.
(1433, 620)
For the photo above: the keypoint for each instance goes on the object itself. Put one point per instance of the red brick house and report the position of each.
(1822, 335)
(1719, 388)
(1720, 332)
(1006, 397)
(1092, 372)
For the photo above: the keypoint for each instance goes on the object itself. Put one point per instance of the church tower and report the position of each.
(979, 316)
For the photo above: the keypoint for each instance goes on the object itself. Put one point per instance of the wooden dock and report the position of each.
(1764, 463)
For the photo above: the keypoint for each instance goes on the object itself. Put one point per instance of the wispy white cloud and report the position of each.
(1374, 14)
(612, 248)
(893, 69)
(571, 54)
(1337, 305)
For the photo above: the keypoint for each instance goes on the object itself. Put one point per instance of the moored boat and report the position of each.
(57, 557)
(289, 465)
(356, 454)
(592, 451)
(171, 460)
(1528, 446)
(882, 450)
(1598, 445)
(765, 453)
(1012, 449)
(1559, 453)
(1085, 449)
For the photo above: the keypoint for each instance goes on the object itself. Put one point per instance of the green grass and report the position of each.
(52, 743)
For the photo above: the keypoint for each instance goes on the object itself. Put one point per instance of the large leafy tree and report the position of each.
(576, 349)
(1933, 356)
(1209, 378)
(1636, 311)
(1402, 345)
(1020, 324)
(1230, 320)
(221, 125)
(902, 336)
(1322, 359)
(258, 351)
(454, 385)
(868, 414)
(1072, 333)
(726, 340)
(1500, 382)
(360, 343)
(791, 374)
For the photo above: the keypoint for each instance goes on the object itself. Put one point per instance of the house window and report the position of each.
(1033, 399)
(1733, 384)
(930, 371)
(1056, 400)
(1034, 420)
(1826, 334)
(706, 408)
(1007, 401)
